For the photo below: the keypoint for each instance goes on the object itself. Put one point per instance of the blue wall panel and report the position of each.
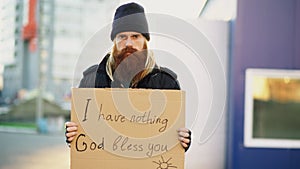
(266, 35)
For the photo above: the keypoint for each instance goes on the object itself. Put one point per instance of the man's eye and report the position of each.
(135, 36)
(122, 37)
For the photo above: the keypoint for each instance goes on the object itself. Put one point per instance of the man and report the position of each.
(129, 64)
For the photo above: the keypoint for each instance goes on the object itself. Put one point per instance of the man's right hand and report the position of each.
(71, 131)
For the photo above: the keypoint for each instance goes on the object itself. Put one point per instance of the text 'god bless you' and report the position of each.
(146, 117)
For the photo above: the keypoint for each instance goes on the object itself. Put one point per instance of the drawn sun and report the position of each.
(164, 164)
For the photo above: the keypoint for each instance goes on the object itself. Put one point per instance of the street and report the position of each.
(33, 151)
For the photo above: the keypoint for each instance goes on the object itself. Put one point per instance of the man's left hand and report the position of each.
(184, 136)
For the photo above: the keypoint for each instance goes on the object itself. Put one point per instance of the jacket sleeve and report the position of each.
(89, 77)
(169, 79)
(169, 82)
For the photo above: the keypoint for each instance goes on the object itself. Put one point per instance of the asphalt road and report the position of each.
(33, 151)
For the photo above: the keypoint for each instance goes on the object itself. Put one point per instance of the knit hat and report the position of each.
(130, 17)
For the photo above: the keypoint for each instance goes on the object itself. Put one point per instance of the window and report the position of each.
(272, 108)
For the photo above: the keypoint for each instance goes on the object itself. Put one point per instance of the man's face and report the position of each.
(133, 40)
(130, 39)
(130, 54)
(127, 43)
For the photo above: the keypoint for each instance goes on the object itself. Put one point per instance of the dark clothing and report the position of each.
(159, 78)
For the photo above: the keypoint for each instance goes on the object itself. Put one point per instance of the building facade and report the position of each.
(44, 57)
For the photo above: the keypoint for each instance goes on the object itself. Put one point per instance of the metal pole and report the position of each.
(39, 108)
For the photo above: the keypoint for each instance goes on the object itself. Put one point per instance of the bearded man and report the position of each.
(130, 64)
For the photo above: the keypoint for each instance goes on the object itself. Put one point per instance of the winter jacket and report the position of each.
(160, 78)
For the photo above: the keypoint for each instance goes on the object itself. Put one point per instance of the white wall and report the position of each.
(211, 154)
(194, 78)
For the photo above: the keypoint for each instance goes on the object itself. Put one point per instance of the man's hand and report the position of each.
(184, 136)
(71, 131)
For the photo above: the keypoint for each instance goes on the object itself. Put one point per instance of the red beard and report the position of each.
(129, 63)
(124, 53)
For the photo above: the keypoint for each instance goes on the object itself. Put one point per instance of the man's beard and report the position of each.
(123, 54)
(129, 64)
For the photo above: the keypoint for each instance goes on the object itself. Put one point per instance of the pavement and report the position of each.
(25, 150)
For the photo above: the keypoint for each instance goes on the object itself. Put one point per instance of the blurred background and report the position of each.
(41, 40)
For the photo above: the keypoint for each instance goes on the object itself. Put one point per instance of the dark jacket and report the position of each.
(160, 78)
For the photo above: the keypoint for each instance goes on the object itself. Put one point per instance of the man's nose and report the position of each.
(129, 42)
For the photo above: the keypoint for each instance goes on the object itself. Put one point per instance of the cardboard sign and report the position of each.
(127, 128)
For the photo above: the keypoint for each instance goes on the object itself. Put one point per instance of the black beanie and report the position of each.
(130, 17)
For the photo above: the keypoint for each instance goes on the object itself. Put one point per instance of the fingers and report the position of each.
(71, 131)
(184, 145)
(70, 124)
(71, 136)
(184, 140)
(184, 137)
(183, 132)
(71, 127)
(183, 129)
